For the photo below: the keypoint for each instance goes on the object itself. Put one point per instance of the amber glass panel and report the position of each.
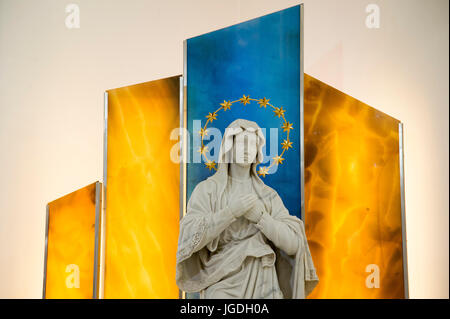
(71, 245)
(352, 195)
(142, 204)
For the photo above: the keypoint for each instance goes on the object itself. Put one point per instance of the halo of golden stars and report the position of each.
(263, 103)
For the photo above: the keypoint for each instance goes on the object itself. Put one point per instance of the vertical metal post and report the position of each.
(45, 252)
(402, 195)
(98, 203)
(102, 224)
(184, 142)
(302, 136)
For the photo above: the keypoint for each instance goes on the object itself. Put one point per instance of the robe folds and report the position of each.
(214, 247)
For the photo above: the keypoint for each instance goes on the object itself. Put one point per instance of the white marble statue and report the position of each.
(237, 239)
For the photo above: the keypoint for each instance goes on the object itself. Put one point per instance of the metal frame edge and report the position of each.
(45, 251)
(403, 208)
(302, 136)
(102, 269)
(98, 203)
(183, 145)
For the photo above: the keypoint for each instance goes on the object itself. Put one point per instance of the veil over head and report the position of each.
(236, 127)
(225, 156)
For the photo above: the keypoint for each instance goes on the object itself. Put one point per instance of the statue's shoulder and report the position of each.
(208, 185)
(270, 192)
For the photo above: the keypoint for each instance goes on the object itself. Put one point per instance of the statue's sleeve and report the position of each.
(277, 228)
(295, 268)
(201, 225)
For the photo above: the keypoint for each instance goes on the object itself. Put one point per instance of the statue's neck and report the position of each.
(239, 172)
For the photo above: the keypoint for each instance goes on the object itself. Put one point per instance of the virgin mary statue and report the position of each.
(237, 239)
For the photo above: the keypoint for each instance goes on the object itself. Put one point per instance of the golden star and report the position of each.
(278, 159)
(211, 116)
(211, 165)
(286, 144)
(279, 111)
(203, 149)
(245, 99)
(263, 171)
(226, 105)
(287, 126)
(203, 132)
(263, 102)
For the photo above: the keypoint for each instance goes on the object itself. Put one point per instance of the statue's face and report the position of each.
(245, 148)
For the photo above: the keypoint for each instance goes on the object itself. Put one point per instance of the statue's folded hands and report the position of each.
(220, 221)
(254, 214)
(242, 204)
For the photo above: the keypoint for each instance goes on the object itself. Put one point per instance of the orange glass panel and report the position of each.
(71, 237)
(142, 192)
(352, 196)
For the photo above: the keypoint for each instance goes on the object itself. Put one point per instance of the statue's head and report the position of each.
(242, 143)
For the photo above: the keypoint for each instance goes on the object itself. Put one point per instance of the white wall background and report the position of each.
(51, 102)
